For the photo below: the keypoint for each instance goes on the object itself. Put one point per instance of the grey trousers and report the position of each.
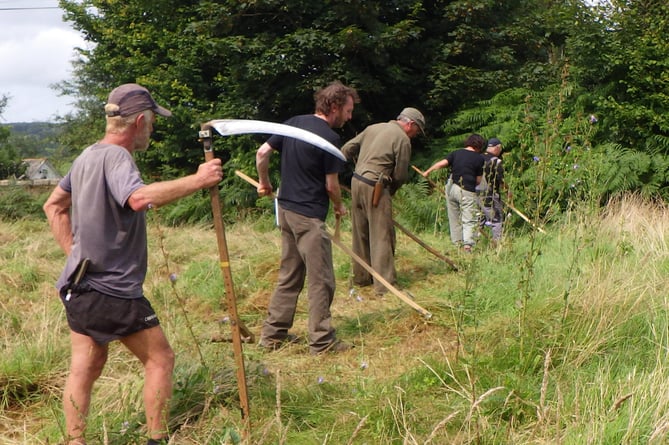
(493, 214)
(373, 235)
(463, 214)
(306, 252)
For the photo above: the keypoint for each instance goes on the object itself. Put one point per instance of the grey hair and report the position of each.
(118, 124)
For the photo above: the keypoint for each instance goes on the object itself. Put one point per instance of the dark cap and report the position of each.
(416, 116)
(494, 141)
(131, 98)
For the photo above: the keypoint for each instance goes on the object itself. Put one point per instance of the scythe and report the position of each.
(336, 240)
(205, 135)
(229, 127)
(420, 242)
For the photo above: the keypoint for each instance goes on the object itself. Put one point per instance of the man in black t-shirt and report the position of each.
(309, 181)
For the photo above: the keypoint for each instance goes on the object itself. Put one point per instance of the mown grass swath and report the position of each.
(582, 354)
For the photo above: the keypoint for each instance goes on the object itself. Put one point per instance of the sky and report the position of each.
(36, 50)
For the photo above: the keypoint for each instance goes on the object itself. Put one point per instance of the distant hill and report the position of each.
(37, 129)
(34, 139)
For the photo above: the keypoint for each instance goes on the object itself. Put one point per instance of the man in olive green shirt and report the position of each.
(381, 153)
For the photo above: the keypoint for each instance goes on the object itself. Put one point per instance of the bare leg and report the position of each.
(153, 350)
(88, 359)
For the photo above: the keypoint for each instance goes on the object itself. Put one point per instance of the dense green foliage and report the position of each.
(17, 203)
(10, 161)
(263, 59)
(570, 84)
(35, 139)
(629, 76)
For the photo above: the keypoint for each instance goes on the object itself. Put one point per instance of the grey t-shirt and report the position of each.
(104, 228)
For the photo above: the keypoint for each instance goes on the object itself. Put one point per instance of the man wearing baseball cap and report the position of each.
(131, 98)
(381, 154)
(97, 214)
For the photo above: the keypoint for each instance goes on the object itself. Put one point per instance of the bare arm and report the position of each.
(262, 165)
(334, 192)
(436, 166)
(57, 210)
(164, 192)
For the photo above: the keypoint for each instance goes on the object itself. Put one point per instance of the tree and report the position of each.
(634, 86)
(488, 66)
(263, 59)
(599, 126)
(10, 162)
(623, 75)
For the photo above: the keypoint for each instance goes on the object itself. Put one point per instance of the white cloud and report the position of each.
(36, 50)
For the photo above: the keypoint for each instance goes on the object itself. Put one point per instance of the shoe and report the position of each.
(334, 348)
(363, 283)
(273, 345)
(467, 248)
(383, 290)
(156, 442)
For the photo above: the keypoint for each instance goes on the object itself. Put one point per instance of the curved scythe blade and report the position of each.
(228, 127)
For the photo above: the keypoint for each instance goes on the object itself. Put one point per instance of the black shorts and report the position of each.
(105, 318)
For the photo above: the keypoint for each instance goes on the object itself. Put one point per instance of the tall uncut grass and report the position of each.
(582, 357)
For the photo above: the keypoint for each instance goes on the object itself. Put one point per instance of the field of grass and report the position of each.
(560, 338)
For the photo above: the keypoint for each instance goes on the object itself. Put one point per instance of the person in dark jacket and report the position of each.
(490, 189)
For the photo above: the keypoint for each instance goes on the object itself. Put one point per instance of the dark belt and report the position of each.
(365, 180)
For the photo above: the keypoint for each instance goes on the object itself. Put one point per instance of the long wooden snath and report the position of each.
(420, 242)
(238, 327)
(525, 218)
(510, 206)
(429, 181)
(425, 246)
(335, 239)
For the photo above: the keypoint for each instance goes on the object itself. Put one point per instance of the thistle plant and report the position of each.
(556, 170)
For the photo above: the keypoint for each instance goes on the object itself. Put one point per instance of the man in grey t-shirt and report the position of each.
(97, 215)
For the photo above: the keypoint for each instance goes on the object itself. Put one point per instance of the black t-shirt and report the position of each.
(466, 165)
(304, 166)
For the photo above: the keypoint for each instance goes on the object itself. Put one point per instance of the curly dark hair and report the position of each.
(334, 94)
(475, 141)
